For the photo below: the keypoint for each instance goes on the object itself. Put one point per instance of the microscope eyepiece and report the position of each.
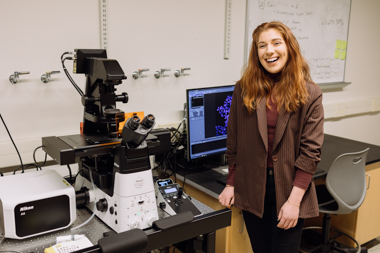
(148, 121)
(133, 122)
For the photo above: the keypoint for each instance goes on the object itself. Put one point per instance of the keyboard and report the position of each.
(222, 179)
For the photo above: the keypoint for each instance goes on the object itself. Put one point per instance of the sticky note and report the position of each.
(344, 45)
(337, 54)
(338, 44)
(343, 54)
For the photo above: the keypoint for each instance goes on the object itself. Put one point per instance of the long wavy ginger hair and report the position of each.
(290, 91)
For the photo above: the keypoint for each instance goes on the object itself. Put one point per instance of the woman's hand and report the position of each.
(227, 197)
(288, 215)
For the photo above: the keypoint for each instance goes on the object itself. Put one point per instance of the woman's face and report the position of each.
(272, 51)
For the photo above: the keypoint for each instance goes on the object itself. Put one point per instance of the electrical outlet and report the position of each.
(376, 104)
(340, 110)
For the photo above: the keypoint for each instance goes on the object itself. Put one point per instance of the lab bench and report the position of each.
(203, 225)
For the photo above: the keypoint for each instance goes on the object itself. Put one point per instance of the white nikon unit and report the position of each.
(34, 203)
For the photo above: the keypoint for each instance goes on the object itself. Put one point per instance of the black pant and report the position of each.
(264, 234)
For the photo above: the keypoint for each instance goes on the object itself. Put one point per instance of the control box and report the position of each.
(171, 199)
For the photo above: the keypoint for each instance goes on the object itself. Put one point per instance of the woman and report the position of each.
(274, 139)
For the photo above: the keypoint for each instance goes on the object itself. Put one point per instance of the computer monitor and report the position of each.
(207, 118)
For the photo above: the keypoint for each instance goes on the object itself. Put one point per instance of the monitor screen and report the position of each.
(207, 117)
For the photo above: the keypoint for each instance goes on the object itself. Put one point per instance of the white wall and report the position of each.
(362, 70)
(147, 34)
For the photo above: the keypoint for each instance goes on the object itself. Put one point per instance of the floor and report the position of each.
(375, 249)
(373, 246)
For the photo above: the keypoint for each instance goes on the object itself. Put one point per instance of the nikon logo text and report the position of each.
(26, 208)
(139, 182)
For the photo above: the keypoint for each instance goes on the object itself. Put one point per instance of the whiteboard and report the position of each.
(320, 26)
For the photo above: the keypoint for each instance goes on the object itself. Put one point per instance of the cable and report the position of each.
(34, 158)
(71, 175)
(177, 131)
(14, 172)
(77, 174)
(65, 54)
(164, 211)
(175, 165)
(22, 166)
(72, 80)
(68, 74)
(93, 212)
(184, 176)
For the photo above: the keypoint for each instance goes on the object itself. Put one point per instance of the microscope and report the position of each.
(115, 179)
(126, 199)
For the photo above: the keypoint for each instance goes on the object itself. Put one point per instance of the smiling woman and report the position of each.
(272, 50)
(274, 139)
(276, 40)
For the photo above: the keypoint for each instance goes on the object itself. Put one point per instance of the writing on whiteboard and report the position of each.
(321, 28)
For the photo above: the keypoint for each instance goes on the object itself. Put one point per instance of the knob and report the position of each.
(162, 205)
(178, 73)
(160, 73)
(102, 205)
(180, 192)
(15, 78)
(151, 219)
(135, 224)
(45, 78)
(138, 73)
(123, 97)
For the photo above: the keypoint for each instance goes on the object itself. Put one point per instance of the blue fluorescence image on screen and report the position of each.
(224, 112)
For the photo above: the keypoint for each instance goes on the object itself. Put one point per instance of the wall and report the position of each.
(361, 69)
(147, 34)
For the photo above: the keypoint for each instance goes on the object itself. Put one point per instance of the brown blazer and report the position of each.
(297, 144)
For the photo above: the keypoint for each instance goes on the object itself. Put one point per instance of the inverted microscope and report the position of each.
(115, 179)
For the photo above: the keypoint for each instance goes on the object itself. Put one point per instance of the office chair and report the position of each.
(343, 193)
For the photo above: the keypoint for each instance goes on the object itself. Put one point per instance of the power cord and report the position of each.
(169, 160)
(22, 166)
(93, 211)
(70, 179)
(71, 175)
(36, 165)
(78, 173)
(177, 131)
(34, 158)
(68, 74)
